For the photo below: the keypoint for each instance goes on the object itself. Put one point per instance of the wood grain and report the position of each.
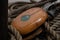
(38, 18)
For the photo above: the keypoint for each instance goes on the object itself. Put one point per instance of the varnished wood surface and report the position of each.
(37, 18)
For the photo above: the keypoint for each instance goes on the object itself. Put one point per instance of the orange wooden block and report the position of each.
(29, 20)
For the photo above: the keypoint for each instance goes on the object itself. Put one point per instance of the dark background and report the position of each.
(3, 19)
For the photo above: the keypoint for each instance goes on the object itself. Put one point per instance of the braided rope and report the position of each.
(16, 33)
(12, 37)
(20, 9)
(54, 28)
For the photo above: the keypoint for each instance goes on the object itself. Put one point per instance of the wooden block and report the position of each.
(29, 20)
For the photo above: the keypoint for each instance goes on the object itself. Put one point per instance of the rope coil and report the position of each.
(18, 8)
